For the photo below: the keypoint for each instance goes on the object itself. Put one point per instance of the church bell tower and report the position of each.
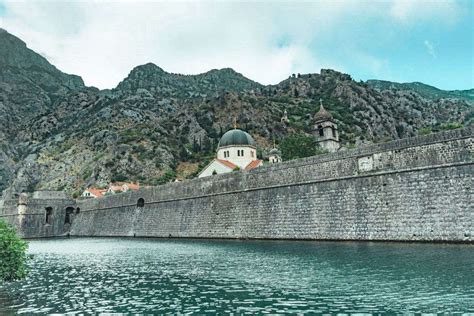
(325, 130)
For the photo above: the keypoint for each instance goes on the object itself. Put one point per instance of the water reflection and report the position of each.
(197, 276)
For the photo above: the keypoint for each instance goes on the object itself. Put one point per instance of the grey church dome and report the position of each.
(275, 151)
(323, 114)
(236, 137)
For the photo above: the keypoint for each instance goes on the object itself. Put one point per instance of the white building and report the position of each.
(236, 151)
(119, 187)
(274, 156)
(94, 193)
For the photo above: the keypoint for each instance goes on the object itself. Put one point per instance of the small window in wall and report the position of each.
(140, 202)
(78, 210)
(48, 215)
(333, 132)
(69, 211)
(251, 154)
(321, 130)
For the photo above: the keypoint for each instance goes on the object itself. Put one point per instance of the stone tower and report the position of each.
(284, 118)
(325, 130)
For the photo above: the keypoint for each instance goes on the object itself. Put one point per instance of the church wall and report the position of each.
(241, 161)
(214, 165)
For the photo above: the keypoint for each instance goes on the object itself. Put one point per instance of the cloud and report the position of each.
(265, 41)
(430, 48)
(416, 11)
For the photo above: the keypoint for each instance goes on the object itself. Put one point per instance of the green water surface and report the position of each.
(93, 275)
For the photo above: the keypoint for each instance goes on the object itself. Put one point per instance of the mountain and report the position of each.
(29, 86)
(156, 126)
(422, 89)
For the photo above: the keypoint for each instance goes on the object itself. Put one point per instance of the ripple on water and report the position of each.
(190, 276)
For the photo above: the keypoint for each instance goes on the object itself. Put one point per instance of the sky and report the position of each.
(429, 41)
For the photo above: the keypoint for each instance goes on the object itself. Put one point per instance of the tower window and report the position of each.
(252, 154)
(140, 202)
(321, 130)
(333, 132)
(48, 215)
(69, 211)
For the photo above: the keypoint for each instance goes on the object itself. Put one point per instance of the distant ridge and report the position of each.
(422, 89)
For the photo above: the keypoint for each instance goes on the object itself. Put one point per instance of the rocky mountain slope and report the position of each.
(55, 133)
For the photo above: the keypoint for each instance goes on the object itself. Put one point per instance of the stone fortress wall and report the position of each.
(415, 189)
(28, 213)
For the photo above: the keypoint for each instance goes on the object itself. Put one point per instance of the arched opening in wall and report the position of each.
(78, 210)
(140, 202)
(321, 130)
(333, 132)
(69, 211)
(48, 212)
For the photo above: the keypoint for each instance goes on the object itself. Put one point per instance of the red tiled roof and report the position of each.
(254, 164)
(118, 186)
(133, 186)
(227, 163)
(96, 192)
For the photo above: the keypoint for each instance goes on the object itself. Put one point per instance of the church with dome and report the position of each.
(237, 150)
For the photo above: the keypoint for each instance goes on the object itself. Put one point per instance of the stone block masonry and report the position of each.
(416, 189)
(40, 214)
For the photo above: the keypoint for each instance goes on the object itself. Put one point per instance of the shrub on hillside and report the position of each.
(299, 146)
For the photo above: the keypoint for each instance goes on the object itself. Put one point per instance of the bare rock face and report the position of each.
(57, 134)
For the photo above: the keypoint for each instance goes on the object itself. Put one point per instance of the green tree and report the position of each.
(448, 126)
(196, 145)
(298, 146)
(13, 254)
(206, 144)
(424, 131)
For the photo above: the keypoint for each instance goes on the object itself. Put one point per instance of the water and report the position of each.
(245, 277)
